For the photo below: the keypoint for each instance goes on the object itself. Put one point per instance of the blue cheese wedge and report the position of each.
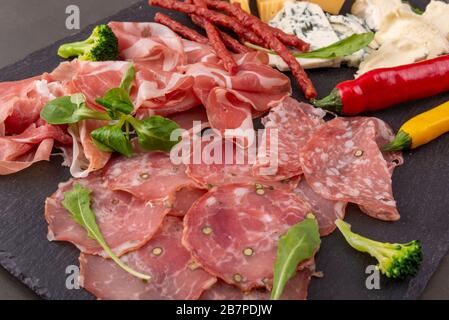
(346, 26)
(308, 22)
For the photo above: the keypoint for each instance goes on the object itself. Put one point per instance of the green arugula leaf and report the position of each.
(154, 133)
(70, 109)
(128, 78)
(111, 138)
(338, 49)
(296, 246)
(77, 202)
(116, 101)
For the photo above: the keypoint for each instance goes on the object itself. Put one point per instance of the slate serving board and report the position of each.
(420, 187)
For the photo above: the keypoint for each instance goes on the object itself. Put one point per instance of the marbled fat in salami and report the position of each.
(288, 128)
(174, 275)
(234, 230)
(342, 161)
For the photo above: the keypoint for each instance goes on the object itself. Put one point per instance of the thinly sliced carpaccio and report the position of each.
(295, 289)
(174, 275)
(218, 162)
(147, 175)
(288, 128)
(125, 222)
(326, 211)
(342, 162)
(234, 230)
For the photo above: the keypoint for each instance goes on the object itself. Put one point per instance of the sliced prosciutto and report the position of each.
(288, 128)
(295, 289)
(152, 44)
(34, 144)
(22, 101)
(92, 79)
(195, 117)
(184, 199)
(234, 230)
(217, 162)
(147, 176)
(164, 93)
(84, 157)
(326, 211)
(342, 162)
(125, 222)
(174, 274)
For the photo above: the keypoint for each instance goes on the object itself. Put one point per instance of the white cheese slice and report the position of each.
(437, 14)
(374, 11)
(394, 53)
(407, 25)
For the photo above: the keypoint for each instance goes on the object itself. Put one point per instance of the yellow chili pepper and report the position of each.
(421, 129)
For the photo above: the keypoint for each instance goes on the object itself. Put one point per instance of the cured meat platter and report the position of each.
(420, 189)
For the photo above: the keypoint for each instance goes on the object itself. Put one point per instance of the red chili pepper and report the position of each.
(382, 88)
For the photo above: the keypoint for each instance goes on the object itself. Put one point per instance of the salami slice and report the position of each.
(147, 176)
(342, 161)
(288, 128)
(174, 275)
(184, 199)
(234, 230)
(295, 289)
(218, 162)
(325, 211)
(125, 222)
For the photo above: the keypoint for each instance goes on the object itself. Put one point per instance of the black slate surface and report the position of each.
(420, 187)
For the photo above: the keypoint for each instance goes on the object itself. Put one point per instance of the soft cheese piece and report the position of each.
(374, 11)
(407, 25)
(309, 22)
(346, 26)
(437, 14)
(394, 53)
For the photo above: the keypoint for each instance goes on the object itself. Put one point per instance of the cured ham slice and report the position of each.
(164, 93)
(198, 52)
(342, 162)
(34, 144)
(184, 199)
(295, 289)
(92, 79)
(218, 162)
(147, 176)
(191, 118)
(234, 230)
(84, 157)
(174, 275)
(288, 128)
(125, 222)
(325, 211)
(152, 44)
(22, 101)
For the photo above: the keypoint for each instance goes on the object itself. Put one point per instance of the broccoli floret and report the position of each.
(396, 261)
(102, 45)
